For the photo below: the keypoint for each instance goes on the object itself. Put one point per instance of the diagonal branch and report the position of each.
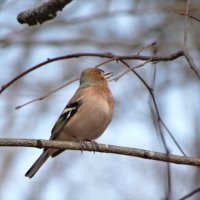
(103, 148)
(190, 194)
(161, 122)
(189, 59)
(48, 94)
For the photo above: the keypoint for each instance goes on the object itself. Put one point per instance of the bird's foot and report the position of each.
(83, 144)
(94, 144)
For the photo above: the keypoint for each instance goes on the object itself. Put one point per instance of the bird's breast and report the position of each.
(91, 119)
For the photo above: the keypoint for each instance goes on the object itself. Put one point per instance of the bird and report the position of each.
(85, 117)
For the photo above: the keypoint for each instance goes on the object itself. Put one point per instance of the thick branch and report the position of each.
(46, 11)
(104, 148)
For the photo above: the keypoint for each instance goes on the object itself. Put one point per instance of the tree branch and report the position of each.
(104, 148)
(170, 57)
(46, 11)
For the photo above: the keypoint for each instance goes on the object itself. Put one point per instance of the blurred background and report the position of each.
(116, 26)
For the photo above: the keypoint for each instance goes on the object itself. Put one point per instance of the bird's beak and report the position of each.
(108, 75)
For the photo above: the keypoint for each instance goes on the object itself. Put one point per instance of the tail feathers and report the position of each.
(38, 163)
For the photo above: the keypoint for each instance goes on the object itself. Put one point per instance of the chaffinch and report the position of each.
(85, 117)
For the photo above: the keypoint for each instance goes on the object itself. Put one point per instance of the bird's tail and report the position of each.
(38, 163)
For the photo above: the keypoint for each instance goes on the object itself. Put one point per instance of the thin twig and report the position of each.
(101, 55)
(156, 107)
(185, 51)
(190, 16)
(191, 63)
(107, 61)
(59, 88)
(145, 47)
(130, 69)
(186, 23)
(190, 194)
(48, 94)
(161, 134)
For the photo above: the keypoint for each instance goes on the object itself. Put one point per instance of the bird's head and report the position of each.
(94, 76)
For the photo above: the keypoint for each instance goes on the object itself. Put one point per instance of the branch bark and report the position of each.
(44, 12)
(103, 148)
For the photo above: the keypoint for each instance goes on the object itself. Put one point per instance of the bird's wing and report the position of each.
(65, 116)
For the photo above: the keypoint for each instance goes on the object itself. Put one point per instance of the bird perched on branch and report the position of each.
(85, 117)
